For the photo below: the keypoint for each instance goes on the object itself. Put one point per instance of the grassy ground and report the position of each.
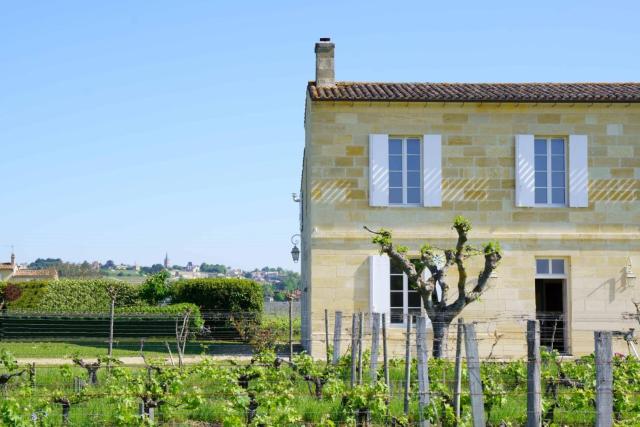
(95, 348)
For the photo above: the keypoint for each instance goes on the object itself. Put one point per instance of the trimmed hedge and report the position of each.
(70, 295)
(230, 295)
(165, 310)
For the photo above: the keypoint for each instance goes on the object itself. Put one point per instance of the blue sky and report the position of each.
(128, 129)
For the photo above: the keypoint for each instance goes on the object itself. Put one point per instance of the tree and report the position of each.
(213, 268)
(156, 287)
(109, 265)
(438, 261)
(155, 268)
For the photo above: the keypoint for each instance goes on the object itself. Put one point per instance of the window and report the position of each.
(404, 301)
(546, 267)
(550, 171)
(404, 171)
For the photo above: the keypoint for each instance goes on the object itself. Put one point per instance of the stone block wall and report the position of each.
(478, 182)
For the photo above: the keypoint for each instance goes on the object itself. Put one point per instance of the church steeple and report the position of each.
(13, 257)
(166, 260)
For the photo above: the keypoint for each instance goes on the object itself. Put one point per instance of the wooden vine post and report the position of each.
(423, 369)
(475, 381)
(375, 338)
(337, 337)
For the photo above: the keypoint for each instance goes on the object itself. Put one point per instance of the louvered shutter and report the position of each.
(432, 170)
(578, 171)
(378, 170)
(525, 171)
(380, 285)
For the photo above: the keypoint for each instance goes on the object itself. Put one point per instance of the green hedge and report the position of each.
(70, 295)
(168, 310)
(237, 296)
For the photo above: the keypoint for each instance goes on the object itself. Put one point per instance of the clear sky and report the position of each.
(128, 129)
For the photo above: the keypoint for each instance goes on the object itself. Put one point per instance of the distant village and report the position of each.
(276, 281)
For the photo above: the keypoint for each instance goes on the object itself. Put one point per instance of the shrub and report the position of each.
(156, 287)
(71, 296)
(237, 296)
(237, 301)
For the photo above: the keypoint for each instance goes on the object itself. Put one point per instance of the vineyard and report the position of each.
(271, 391)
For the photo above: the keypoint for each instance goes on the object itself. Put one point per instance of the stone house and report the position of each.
(12, 272)
(550, 170)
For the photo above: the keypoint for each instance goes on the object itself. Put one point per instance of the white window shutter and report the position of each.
(432, 170)
(578, 171)
(380, 285)
(378, 170)
(525, 171)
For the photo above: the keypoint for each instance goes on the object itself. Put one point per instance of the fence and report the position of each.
(500, 391)
(474, 385)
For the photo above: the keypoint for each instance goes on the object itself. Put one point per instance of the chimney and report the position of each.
(325, 73)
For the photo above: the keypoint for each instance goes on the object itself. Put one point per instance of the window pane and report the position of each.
(557, 266)
(396, 315)
(540, 147)
(541, 195)
(413, 146)
(395, 179)
(414, 299)
(395, 146)
(557, 195)
(413, 195)
(413, 179)
(557, 146)
(395, 195)
(396, 299)
(541, 179)
(542, 266)
(557, 179)
(396, 282)
(395, 163)
(541, 163)
(413, 163)
(557, 163)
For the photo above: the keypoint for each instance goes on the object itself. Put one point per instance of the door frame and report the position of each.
(566, 294)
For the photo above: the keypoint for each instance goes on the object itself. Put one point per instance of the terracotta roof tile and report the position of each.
(478, 92)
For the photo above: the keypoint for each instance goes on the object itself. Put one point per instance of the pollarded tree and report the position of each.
(437, 261)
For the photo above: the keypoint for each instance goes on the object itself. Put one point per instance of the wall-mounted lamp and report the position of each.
(629, 275)
(295, 252)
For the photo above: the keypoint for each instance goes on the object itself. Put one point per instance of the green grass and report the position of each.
(95, 348)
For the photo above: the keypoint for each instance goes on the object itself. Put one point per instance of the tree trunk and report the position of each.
(440, 328)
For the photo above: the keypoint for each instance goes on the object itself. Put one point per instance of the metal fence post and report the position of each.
(534, 404)
(475, 382)
(604, 379)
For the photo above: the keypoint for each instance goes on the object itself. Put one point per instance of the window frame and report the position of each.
(405, 187)
(549, 172)
(405, 299)
(551, 275)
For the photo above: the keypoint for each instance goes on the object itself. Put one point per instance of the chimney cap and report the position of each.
(325, 39)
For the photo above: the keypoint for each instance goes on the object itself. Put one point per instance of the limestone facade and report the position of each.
(478, 181)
